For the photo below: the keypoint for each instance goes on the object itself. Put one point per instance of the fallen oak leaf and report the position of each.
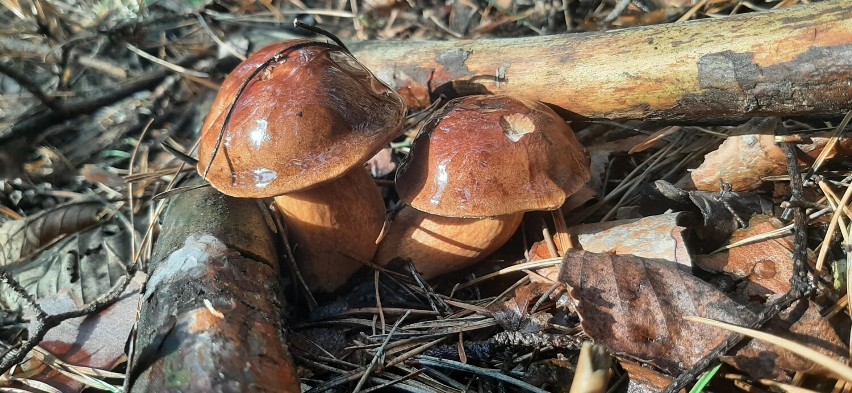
(634, 307)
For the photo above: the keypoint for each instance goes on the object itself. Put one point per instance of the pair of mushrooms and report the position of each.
(297, 120)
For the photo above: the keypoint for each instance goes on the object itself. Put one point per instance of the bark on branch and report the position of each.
(796, 61)
(210, 319)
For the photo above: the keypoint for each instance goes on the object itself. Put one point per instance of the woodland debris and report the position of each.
(801, 323)
(658, 237)
(213, 301)
(65, 264)
(750, 155)
(765, 266)
(634, 306)
(721, 213)
(95, 341)
(23, 238)
(795, 61)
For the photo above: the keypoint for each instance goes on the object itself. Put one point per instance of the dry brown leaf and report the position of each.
(601, 152)
(721, 213)
(658, 237)
(94, 174)
(634, 307)
(95, 341)
(88, 264)
(765, 266)
(22, 238)
(515, 315)
(763, 360)
(643, 379)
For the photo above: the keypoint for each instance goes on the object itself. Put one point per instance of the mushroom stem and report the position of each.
(438, 245)
(335, 225)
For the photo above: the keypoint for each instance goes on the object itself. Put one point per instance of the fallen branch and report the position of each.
(796, 61)
(210, 314)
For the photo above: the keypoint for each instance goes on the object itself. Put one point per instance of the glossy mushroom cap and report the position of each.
(303, 113)
(484, 156)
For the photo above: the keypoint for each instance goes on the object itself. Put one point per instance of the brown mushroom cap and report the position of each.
(310, 113)
(483, 156)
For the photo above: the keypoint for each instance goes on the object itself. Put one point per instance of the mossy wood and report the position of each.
(795, 61)
(210, 315)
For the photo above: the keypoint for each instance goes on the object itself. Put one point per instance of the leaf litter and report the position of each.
(521, 324)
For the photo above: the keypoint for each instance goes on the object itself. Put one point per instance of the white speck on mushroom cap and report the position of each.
(442, 178)
(263, 177)
(516, 125)
(259, 134)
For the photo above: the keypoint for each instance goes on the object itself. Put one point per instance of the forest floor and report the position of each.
(91, 89)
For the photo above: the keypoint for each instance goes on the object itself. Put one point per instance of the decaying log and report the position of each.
(210, 315)
(795, 61)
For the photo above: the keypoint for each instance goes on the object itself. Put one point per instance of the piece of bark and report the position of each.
(795, 61)
(210, 314)
(657, 237)
(750, 155)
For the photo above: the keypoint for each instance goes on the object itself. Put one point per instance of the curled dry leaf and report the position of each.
(743, 159)
(515, 315)
(766, 266)
(751, 154)
(634, 307)
(22, 238)
(381, 164)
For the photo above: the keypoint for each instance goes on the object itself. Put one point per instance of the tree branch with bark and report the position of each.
(790, 62)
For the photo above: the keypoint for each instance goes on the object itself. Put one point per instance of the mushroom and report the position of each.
(476, 166)
(296, 121)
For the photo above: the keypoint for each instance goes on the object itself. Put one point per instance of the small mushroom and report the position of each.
(474, 168)
(296, 121)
